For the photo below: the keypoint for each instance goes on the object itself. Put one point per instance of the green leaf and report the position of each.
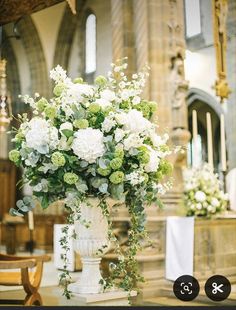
(67, 132)
(44, 202)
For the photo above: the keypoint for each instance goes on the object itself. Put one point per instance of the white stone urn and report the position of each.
(91, 243)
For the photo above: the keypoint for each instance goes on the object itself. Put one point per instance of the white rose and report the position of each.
(119, 134)
(103, 103)
(108, 124)
(200, 196)
(88, 144)
(65, 126)
(134, 121)
(153, 163)
(132, 141)
(78, 91)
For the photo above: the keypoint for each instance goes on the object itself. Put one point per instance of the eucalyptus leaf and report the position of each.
(14, 212)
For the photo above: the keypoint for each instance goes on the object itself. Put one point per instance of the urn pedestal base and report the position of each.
(112, 298)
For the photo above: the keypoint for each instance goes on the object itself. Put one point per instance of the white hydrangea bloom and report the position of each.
(41, 136)
(88, 144)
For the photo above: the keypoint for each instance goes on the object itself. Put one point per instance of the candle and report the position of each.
(31, 220)
(195, 134)
(209, 140)
(222, 140)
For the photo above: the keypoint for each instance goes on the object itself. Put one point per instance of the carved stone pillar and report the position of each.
(122, 32)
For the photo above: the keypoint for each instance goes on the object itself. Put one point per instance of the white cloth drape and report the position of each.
(179, 246)
(231, 188)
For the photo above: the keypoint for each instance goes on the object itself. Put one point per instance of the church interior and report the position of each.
(190, 48)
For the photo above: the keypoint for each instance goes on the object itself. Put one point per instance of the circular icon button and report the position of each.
(217, 288)
(186, 288)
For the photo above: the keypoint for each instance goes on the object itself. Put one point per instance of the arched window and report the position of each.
(90, 45)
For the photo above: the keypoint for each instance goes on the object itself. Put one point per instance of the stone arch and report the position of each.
(13, 78)
(199, 94)
(66, 34)
(35, 55)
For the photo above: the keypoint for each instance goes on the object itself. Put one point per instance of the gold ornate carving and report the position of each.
(220, 10)
(4, 117)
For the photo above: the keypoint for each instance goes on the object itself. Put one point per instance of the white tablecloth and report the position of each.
(231, 188)
(179, 246)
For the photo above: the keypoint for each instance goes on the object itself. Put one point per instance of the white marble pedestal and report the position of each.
(112, 298)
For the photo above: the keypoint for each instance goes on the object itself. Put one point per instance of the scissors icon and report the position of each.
(217, 288)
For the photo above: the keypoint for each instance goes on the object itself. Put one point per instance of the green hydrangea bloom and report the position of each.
(125, 105)
(94, 108)
(104, 172)
(117, 177)
(19, 136)
(58, 159)
(58, 89)
(119, 153)
(70, 178)
(14, 155)
(41, 104)
(144, 108)
(153, 106)
(81, 123)
(116, 163)
(146, 177)
(101, 80)
(50, 112)
(143, 155)
(166, 167)
(78, 80)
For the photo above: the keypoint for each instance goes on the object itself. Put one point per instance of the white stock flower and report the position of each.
(88, 144)
(200, 196)
(153, 163)
(135, 178)
(41, 136)
(58, 74)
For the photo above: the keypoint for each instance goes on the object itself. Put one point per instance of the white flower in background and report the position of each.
(119, 134)
(132, 141)
(88, 144)
(200, 196)
(211, 209)
(161, 189)
(135, 178)
(108, 95)
(136, 100)
(215, 202)
(40, 136)
(65, 126)
(135, 122)
(153, 163)
(108, 124)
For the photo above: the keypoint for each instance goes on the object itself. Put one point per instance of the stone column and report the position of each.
(122, 32)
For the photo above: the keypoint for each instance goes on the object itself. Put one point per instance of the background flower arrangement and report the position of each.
(202, 193)
(94, 140)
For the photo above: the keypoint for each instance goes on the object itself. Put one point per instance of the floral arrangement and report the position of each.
(202, 193)
(94, 140)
